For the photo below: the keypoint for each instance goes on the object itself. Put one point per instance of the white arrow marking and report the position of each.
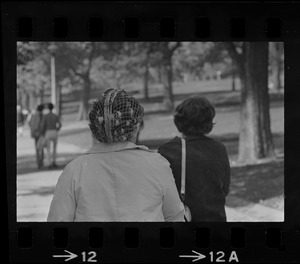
(69, 257)
(200, 256)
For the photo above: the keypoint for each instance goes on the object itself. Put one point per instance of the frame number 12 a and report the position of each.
(218, 256)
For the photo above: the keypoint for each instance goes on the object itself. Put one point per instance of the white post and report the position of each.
(53, 84)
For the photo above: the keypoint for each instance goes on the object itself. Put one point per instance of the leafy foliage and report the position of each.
(124, 65)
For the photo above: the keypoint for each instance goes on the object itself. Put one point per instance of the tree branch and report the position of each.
(238, 58)
(91, 58)
(177, 45)
(232, 51)
(75, 72)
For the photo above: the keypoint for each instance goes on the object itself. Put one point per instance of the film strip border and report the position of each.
(136, 242)
(155, 242)
(133, 27)
(202, 22)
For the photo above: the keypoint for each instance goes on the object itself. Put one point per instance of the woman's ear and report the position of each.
(134, 137)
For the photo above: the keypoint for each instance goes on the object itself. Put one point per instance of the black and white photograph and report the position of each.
(150, 132)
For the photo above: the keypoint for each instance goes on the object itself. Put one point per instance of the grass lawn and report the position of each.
(262, 183)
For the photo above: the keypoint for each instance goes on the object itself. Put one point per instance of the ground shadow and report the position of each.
(27, 164)
(42, 191)
(255, 183)
(29, 217)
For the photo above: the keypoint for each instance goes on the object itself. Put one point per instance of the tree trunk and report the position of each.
(159, 72)
(19, 96)
(255, 141)
(233, 81)
(25, 100)
(211, 72)
(58, 100)
(146, 81)
(41, 96)
(185, 77)
(32, 100)
(277, 67)
(276, 64)
(167, 79)
(84, 103)
(278, 82)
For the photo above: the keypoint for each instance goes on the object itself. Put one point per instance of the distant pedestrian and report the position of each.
(20, 120)
(50, 126)
(35, 124)
(207, 165)
(116, 180)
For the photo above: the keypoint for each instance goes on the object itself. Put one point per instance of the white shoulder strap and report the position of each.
(183, 169)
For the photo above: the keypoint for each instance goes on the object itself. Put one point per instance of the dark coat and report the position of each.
(207, 175)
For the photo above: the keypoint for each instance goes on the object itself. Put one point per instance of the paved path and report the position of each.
(35, 189)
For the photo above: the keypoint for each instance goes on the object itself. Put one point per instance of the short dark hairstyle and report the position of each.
(40, 108)
(194, 116)
(50, 106)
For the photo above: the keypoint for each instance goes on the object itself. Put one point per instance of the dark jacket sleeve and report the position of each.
(226, 185)
(43, 125)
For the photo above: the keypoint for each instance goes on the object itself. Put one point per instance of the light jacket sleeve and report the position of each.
(63, 205)
(173, 208)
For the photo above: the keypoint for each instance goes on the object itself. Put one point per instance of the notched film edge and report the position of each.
(151, 138)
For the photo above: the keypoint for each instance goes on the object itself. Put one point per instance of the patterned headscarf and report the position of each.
(115, 116)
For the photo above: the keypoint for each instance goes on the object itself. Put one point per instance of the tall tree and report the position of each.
(202, 58)
(78, 58)
(276, 62)
(121, 64)
(167, 50)
(32, 73)
(148, 48)
(255, 140)
(233, 73)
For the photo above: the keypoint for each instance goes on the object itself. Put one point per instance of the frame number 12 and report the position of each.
(89, 256)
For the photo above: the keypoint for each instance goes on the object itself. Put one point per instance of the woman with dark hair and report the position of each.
(116, 180)
(207, 164)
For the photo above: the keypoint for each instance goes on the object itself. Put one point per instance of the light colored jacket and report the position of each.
(117, 182)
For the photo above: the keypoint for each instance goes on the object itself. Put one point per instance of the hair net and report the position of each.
(115, 116)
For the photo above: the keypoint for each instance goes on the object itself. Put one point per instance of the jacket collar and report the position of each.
(192, 138)
(116, 146)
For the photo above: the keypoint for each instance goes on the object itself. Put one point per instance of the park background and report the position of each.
(244, 80)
